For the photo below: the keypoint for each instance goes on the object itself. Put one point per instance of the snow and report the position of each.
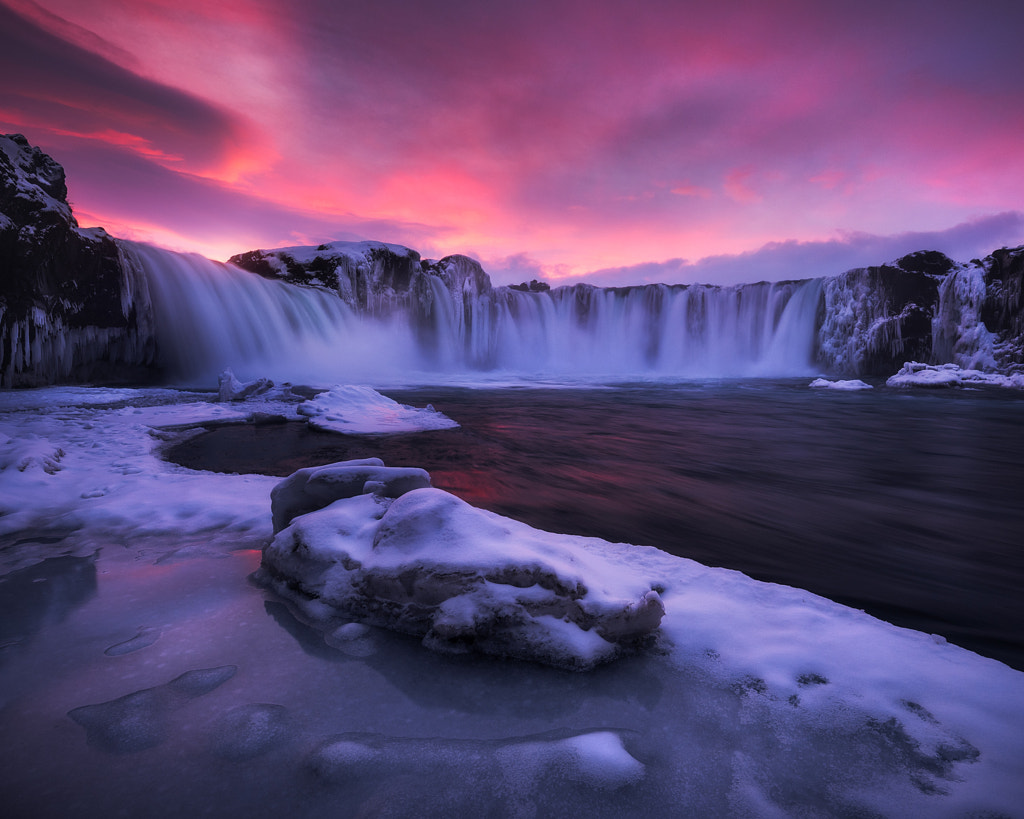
(916, 374)
(850, 386)
(27, 181)
(464, 579)
(361, 410)
(754, 699)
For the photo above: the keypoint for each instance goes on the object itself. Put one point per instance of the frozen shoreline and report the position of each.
(944, 725)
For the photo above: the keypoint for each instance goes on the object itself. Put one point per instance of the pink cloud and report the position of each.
(585, 135)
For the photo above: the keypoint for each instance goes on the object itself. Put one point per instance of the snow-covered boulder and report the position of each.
(465, 579)
(916, 374)
(316, 487)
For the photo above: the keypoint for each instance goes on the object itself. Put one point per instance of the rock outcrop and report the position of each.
(69, 305)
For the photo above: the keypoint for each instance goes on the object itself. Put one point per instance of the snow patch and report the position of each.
(851, 385)
(361, 410)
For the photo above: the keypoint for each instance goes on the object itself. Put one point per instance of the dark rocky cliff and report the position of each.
(69, 308)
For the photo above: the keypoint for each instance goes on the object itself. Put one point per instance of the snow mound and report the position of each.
(853, 385)
(360, 410)
(316, 487)
(29, 453)
(465, 579)
(916, 374)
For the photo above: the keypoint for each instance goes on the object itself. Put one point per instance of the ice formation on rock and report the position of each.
(916, 374)
(462, 578)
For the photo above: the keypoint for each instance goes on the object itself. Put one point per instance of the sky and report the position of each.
(610, 142)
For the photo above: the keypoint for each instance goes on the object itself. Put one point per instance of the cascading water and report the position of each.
(209, 316)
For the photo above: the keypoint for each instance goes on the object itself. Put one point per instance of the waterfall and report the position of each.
(209, 316)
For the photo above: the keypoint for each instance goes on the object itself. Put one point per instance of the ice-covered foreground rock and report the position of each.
(464, 579)
(916, 374)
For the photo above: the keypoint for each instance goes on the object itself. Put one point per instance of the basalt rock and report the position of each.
(69, 305)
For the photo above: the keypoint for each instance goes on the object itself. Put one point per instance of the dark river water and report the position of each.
(909, 505)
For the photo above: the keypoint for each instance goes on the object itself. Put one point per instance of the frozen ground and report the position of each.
(141, 672)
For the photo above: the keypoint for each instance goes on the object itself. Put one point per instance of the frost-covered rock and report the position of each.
(465, 579)
(316, 487)
(916, 374)
(852, 385)
(875, 317)
(359, 410)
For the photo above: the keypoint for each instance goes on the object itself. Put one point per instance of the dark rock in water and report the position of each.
(69, 307)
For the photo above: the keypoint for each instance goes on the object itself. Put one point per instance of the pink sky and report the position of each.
(622, 141)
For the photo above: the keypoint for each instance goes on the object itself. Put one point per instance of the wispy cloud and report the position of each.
(779, 261)
(590, 136)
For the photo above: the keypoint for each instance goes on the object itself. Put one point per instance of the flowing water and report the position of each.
(906, 505)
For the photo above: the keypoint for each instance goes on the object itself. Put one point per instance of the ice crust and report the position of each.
(758, 700)
(462, 578)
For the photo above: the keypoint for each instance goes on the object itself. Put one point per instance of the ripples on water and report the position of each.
(907, 505)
